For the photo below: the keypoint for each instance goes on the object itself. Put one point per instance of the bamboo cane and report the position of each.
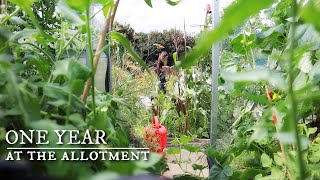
(107, 26)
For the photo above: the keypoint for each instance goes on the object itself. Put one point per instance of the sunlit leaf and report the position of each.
(173, 3)
(192, 148)
(78, 5)
(266, 160)
(173, 151)
(234, 16)
(70, 14)
(149, 2)
(310, 13)
(185, 139)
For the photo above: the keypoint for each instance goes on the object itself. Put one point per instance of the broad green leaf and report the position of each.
(300, 81)
(26, 33)
(307, 38)
(213, 154)
(72, 69)
(126, 44)
(251, 173)
(192, 148)
(276, 173)
(149, 2)
(185, 139)
(17, 20)
(266, 160)
(69, 14)
(234, 16)
(77, 120)
(271, 38)
(60, 96)
(314, 73)
(175, 142)
(311, 131)
(78, 5)
(310, 13)
(173, 3)
(217, 173)
(274, 78)
(243, 43)
(173, 151)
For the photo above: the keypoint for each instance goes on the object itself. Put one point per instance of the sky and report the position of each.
(163, 16)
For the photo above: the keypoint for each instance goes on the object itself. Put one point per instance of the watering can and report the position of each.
(156, 136)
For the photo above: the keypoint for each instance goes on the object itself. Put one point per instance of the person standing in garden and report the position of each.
(162, 69)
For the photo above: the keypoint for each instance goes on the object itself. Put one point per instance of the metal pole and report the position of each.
(214, 78)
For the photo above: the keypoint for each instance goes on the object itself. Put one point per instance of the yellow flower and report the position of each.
(249, 43)
(276, 97)
(242, 41)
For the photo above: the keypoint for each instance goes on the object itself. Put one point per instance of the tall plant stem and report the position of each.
(89, 42)
(106, 28)
(291, 95)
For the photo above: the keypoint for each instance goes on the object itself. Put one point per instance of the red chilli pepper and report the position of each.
(274, 117)
(269, 96)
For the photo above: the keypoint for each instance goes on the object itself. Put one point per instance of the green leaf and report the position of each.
(126, 44)
(60, 96)
(69, 14)
(77, 120)
(266, 160)
(274, 78)
(107, 5)
(173, 151)
(310, 13)
(242, 43)
(251, 173)
(175, 142)
(198, 167)
(173, 3)
(256, 98)
(192, 148)
(78, 5)
(217, 173)
(148, 2)
(234, 16)
(185, 139)
(26, 33)
(17, 20)
(311, 131)
(314, 73)
(72, 69)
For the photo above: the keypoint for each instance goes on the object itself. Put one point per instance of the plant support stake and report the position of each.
(214, 78)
